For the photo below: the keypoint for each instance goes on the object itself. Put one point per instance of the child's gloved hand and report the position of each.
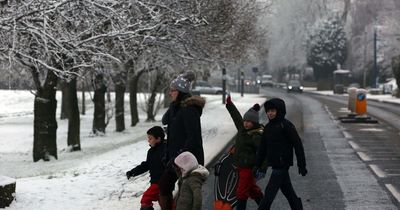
(259, 174)
(232, 150)
(303, 171)
(229, 99)
(129, 174)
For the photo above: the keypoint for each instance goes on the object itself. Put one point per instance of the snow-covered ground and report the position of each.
(93, 178)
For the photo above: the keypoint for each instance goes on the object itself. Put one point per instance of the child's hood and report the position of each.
(277, 104)
(186, 162)
(202, 171)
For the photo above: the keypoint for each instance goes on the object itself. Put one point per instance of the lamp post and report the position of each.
(223, 85)
(241, 83)
(376, 71)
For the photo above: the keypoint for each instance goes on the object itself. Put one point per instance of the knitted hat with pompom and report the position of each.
(252, 114)
(183, 82)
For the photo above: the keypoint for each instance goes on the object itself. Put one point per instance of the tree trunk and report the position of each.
(133, 87)
(74, 141)
(119, 106)
(99, 115)
(7, 191)
(346, 9)
(45, 124)
(83, 111)
(151, 102)
(64, 100)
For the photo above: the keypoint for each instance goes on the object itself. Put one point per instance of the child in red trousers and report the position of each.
(153, 163)
(246, 144)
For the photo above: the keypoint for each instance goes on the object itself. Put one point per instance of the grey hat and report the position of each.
(252, 114)
(183, 82)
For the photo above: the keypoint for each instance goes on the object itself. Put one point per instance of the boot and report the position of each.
(146, 208)
(166, 202)
(241, 204)
(296, 204)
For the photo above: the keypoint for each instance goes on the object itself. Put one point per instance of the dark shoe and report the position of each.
(146, 208)
(296, 205)
(241, 204)
(166, 202)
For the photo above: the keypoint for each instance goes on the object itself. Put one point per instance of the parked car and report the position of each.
(294, 86)
(204, 87)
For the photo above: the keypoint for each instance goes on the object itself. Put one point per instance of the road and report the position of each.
(351, 166)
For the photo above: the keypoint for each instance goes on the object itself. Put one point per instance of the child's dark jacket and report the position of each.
(246, 141)
(153, 163)
(279, 139)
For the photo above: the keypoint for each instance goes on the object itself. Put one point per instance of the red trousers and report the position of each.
(247, 186)
(150, 195)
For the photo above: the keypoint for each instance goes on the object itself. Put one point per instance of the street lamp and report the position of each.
(376, 71)
(223, 85)
(241, 83)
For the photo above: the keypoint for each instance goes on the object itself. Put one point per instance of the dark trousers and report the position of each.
(167, 185)
(279, 179)
(167, 181)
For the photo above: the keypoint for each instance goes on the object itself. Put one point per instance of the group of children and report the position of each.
(256, 148)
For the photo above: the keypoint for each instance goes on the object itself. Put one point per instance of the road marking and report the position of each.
(344, 110)
(372, 129)
(364, 156)
(377, 171)
(329, 112)
(347, 135)
(394, 191)
(354, 145)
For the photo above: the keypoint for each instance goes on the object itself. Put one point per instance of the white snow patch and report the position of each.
(6, 181)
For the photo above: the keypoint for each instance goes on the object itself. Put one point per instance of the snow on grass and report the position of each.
(93, 178)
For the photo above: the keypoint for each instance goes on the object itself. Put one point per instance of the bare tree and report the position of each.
(65, 39)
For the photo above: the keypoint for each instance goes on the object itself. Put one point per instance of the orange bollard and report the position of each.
(361, 102)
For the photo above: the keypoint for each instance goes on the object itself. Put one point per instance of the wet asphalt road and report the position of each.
(338, 177)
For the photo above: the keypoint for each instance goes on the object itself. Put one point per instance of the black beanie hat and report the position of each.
(156, 131)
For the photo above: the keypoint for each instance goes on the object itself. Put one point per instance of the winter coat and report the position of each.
(279, 139)
(153, 163)
(190, 193)
(246, 141)
(184, 128)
